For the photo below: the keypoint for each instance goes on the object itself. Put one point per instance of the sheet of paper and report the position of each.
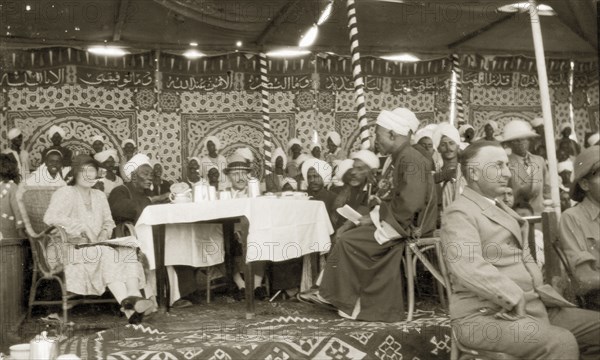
(350, 214)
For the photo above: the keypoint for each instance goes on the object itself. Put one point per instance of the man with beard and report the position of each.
(56, 134)
(530, 181)
(50, 173)
(15, 136)
(446, 140)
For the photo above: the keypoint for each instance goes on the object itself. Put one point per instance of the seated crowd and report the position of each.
(476, 191)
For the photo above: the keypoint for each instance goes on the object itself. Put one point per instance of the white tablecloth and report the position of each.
(280, 229)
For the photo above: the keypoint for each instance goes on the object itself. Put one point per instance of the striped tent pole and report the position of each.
(264, 84)
(460, 108)
(359, 88)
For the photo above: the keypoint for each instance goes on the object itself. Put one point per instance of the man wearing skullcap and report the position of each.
(490, 131)
(15, 137)
(128, 147)
(530, 180)
(334, 147)
(159, 185)
(214, 158)
(50, 173)
(56, 135)
(570, 145)
(358, 182)
(294, 148)
(108, 179)
(580, 228)
(362, 277)
(192, 174)
(97, 144)
(274, 181)
(446, 140)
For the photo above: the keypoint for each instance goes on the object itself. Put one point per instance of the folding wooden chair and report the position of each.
(33, 202)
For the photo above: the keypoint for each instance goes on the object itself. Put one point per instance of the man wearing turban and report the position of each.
(97, 144)
(565, 142)
(294, 148)
(274, 181)
(15, 137)
(214, 159)
(56, 135)
(446, 139)
(362, 277)
(317, 174)
(50, 173)
(129, 148)
(334, 150)
(108, 179)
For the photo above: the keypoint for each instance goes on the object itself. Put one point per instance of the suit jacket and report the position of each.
(532, 188)
(488, 256)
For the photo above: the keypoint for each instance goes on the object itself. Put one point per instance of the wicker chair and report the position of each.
(33, 202)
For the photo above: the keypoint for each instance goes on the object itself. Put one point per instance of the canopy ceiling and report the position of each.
(425, 27)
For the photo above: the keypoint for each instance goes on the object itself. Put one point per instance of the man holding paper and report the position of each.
(362, 278)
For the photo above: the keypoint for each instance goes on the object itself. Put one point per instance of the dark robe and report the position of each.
(163, 188)
(326, 197)
(358, 267)
(127, 203)
(355, 197)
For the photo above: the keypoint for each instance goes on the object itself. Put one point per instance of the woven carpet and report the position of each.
(280, 337)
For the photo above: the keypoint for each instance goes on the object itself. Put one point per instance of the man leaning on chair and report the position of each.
(499, 302)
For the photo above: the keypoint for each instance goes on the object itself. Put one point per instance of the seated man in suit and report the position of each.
(499, 302)
(580, 227)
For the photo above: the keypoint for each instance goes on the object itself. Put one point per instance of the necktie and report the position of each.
(528, 165)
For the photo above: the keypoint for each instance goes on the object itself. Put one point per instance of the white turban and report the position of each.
(214, 140)
(54, 129)
(293, 142)
(128, 141)
(98, 138)
(593, 140)
(13, 133)
(288, 180)
(401, 121)
(368, 157)
(134, 163)
(445, 129)
(538, 121)
(102, 156)
(423, 133)
(565, 125)
(279, 153)
(322, 167)
(246, 153)
(313, 146)
(335, 137)
(302, 158)
(493, 124)
(463, 129)
(196, 159)
(566, 165)
(341, 168)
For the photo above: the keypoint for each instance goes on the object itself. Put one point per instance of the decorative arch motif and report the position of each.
(80, 124)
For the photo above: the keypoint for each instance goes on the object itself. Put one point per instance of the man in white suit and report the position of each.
(499, 302)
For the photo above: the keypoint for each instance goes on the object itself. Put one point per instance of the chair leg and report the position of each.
(410, 284)
(65, 299)
(208, 285)
(34, 285)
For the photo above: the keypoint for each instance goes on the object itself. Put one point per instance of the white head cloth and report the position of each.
(13, 133)
(322, 167)
(313, 145)
(463, 129)
(128, 141)
(214, 140)
(493, 124)
(102, 156)
(565, 125)
(293, 142)
(206, 167)
(335, 137)
(368, 157)
(445, 129)
(341, 168)
(134, 163)
(246, 153)
(279, 153)
(401, 121)
(54, 129)
(423, 133)
(98, 138)
(288, 180)
(538, 121)
(196, 159)
(566, 165)
(593, 140)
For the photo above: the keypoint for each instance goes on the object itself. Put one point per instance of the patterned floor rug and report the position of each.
(277, 337)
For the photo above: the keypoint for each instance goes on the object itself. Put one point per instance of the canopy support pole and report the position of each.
(359, 88)
(546, 106)
(266, 121)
